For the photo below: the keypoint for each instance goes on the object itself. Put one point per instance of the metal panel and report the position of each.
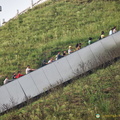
(17, 95)
(64, 69)
(28, 86)
(116, 38)
(88, 59)
(40, 80)
(75, 62)
(99, 52)
(4, 99)
(52, 74)
(110, 45)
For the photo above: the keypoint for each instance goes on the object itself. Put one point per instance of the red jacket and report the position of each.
(18, 75)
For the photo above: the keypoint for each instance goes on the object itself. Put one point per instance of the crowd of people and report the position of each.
(18, 75)
(112, 31)
(78, 46)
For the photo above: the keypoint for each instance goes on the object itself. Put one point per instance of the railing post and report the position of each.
(0, 11)
(17, 12)
(3, 23)
(31, 3)
(0, 8)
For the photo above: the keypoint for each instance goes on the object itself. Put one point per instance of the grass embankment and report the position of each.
(97, 93)
(47, 29)
(51, 27)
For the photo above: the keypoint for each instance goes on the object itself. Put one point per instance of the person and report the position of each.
(78, 45)
(89, 41)
(111, 31)
(51, 60)
(43, 63)
(28, 69)
(14, 75)
(102, 35)
(6, 80)
(64, 53)
(58, 56)
(70, 50)
(18, 75)
(114, 30)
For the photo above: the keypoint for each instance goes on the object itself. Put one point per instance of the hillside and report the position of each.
(82, 99)
(51, 27)
(41, 33)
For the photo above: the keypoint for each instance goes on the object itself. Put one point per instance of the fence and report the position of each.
(24, 11)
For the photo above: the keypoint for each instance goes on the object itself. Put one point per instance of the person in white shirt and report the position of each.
(6, 81)
(51, 60)
(28, 69)
(111, 31)
(70, 50)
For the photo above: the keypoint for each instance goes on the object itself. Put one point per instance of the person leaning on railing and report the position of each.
(6, 80)
(19, 75)
(28, 69)
(70, 50)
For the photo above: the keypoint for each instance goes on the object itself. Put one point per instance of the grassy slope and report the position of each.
(51, 27)
(85, 97)
(97, 93)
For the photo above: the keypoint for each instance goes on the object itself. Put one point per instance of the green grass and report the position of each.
(51, 27)
(82, 99)
(41, 33)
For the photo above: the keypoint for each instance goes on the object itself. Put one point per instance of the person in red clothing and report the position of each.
(18, 75)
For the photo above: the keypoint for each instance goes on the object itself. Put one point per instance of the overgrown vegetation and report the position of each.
(82, 99)
(51, 27)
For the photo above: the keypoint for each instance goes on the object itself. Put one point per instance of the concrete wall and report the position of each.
(59, 71)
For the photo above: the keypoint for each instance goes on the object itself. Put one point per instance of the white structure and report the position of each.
(58, 72)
